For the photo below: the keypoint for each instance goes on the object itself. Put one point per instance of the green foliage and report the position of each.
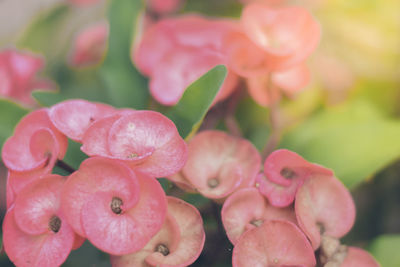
(355, 140)
(44, 34)
(83, 84)
(197, 99)
(254, 121)
(126, 87)
(74, 156)
(385, 249)
(10, 114)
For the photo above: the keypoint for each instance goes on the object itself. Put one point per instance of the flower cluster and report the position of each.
(292, 213)
(267, 48)
(113, 199)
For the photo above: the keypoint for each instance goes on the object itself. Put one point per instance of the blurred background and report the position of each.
(348, 118)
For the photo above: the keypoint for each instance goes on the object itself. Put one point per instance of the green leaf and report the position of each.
(385, 249)
(196, 100)
(10, 114)
(83, 84)
(74, 156)
(126, 87)
(354, 139)
(254, 122)
(47, 98)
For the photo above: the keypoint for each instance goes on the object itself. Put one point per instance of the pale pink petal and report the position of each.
(94, 175)
(36, 204)
(164, 6)
(262, 90)
(133, 227)
(17, 154)
(89, 45)
(150, 136)
(218, 163)
(292, 80)
(73, 117)
(283, 166)
(323, 205)
(358, 257)
(178, 243)
(176, 71)
(275, 243)
(46, 250)
(277, 194)
(95, 139)
(246, 209)
(288, 34)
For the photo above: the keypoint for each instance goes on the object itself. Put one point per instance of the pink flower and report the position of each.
(358, 257)
(269, 50)
(284, 172)
(18, 71)
(164, 6)
(175, 52)
(89, 45)
(288, 34)
(275, 243)
(146, 140)
(219, 164)
(73, 117)
(178, 243)
(36, 144)
(324, 206)
(35, 232)
(246, 209)
(117, 210)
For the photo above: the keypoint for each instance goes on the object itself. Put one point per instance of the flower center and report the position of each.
(257, 223)
(288, 173)
(163, 249)
(213, 183)
(55, 224)
(115, 205)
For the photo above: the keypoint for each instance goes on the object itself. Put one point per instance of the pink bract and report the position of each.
(164, 6)
(219, 164)
(89, 45)
(36, 144)
(283, 166)
(284, 172)
(73, 117)
(19, 180)
(178, 243)
(146, 140)
(246, 209)
(34, 230)
(323, 205)
(265, 88)
(287, 34)
(18, 71)
(358, 257)
(105, 193)
(275, 243)
(278, 195)
(177, 51)
(244, 57)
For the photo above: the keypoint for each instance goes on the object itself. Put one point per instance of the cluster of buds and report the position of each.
(113, 199)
